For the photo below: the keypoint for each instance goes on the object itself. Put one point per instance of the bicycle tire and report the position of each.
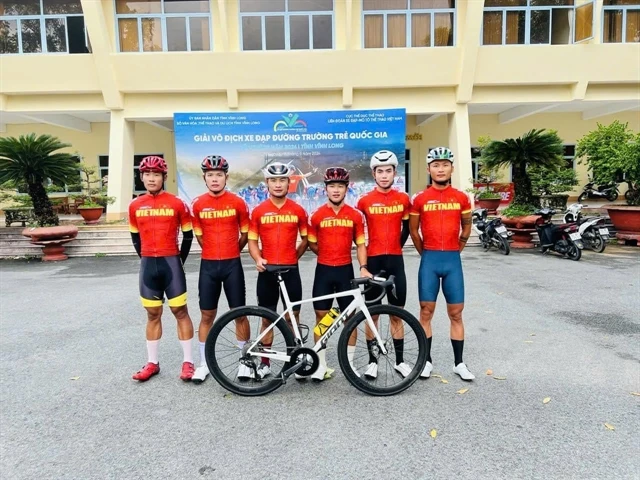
(362, 384)
(223, 321)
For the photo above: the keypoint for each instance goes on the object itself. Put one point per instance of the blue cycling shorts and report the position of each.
(436, 265)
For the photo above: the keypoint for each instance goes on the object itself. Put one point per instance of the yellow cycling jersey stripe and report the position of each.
(312, 239)
(253, 235)
(415, 214)
(244, 229)
(466, 211)
(133, 229)
(187, 227)
(150, 303)
(360, 241)
(405, 217)
(179, 301)
(197, 231)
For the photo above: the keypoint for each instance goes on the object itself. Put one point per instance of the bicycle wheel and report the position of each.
(408, 348)
(226, 350)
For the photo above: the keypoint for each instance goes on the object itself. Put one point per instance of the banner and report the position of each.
(308, 141)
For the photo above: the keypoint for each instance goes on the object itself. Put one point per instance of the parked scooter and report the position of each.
(563, 239)
(632, 195)
(594, 234)
(491, 232)
(608, 191)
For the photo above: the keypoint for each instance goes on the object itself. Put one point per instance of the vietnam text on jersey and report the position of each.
(384, 213)
(335, 232)
(157, 219)
(440, 214)
(277, 229)
(220, 220)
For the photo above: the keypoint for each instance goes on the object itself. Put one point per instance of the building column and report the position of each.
(460, 144)
(121, 151)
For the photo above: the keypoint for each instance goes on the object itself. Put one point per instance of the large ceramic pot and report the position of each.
(626, 220)
(91, 215)
(491, 204)
(523, 229)
(52, 240)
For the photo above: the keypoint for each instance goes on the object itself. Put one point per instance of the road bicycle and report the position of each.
(388, 334)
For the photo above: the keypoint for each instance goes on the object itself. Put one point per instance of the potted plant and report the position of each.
(94, 200)
(30, 160)
(534, 148)
(612, 151)
(486, 196)
(550, 185)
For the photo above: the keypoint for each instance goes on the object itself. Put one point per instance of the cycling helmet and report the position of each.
(153, 163)
(277, 170)
(383, 158)
(214, 162)
(336, 174)
(439, 153)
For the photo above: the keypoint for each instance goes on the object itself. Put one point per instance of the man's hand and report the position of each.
(365, 273)
(261, 265)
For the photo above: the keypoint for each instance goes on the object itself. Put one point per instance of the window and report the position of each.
(138, 186)
(536, 22)
(475, 163)
(621, 21)
(569, 156)
(408, 23)
(163, 25)
(42, 26)
(286, 24)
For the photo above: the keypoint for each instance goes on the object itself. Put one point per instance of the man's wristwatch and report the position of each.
(364, 266)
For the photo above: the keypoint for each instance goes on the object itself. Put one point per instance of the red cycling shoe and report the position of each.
(146, 372)
(187, 371)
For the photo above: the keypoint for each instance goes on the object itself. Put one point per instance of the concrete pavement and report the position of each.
(72, 334)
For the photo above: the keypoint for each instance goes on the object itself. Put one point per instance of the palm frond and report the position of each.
(536, 147)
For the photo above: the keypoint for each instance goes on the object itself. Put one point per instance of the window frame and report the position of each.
(42, 18)
(163, 21)
(527, 23)
(593, 22)
(408, 13)
(625, 9)
(286, 14)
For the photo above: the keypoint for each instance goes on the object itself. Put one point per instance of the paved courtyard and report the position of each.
(72, 333)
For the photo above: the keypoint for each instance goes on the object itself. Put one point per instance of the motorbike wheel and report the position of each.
(574, 253)
(613, 196)
(582, 197)
(597, 243)
(503, 245)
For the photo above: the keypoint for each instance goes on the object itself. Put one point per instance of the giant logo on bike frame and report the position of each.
(309, 141)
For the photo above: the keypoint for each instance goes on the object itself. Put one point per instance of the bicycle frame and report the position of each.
(358, 302)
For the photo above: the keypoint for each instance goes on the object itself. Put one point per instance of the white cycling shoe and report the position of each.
(403, 369)
(372, 371)
(464, 373)
(201, 374)
(264, 370)
(244, 373)
(426, 372)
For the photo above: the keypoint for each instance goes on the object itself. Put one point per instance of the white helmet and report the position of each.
(439, 153)
(383, 158)
(277, 170)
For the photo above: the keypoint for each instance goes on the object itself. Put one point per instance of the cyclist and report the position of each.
(221, 225)
(386, 211)
(333, 228)
(154, 220)
(276, 222)
(440, 225)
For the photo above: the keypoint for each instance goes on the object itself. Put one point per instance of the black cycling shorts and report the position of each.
(160, 276)
(392, 265)
(214, 274)
(330, 280)
(268, 289)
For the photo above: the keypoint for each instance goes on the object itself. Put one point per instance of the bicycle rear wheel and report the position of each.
(408, 348)
(229, 363)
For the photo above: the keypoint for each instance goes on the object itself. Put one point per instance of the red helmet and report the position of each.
(336, 174)
(214, 162)
(153, 163)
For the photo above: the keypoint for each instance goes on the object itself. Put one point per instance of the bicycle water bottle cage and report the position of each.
(304, 332)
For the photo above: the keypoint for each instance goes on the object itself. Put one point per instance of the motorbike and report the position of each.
(632, 195)
(608, 191)
(594, 234)
(563, 239)
(491, 232)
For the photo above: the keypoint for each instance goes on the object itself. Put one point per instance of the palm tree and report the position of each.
(30, 159)
(534, 148)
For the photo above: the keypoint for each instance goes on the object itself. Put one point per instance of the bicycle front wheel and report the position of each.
(361, 358)
(229, 340)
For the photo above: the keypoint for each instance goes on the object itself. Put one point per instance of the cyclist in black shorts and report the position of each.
(386, 211)
(221, 225)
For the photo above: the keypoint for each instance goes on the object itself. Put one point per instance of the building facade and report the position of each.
(107, 76)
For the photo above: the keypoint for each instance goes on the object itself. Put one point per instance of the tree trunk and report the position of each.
(42, 205)
(522, 186)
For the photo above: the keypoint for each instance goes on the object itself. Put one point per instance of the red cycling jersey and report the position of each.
(335, 232)
(157, 218)
(220, 220)
(384, 213)
(277, 229)
(440, 214)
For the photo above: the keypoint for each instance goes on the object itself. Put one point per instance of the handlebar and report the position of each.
(378, 281)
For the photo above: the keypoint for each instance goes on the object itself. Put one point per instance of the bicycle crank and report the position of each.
(305, 362)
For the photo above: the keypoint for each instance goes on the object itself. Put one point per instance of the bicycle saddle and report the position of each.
(279, 268)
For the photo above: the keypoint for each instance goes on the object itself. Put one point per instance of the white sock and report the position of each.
(186, 350)
(322, 355)
(241, 344)
(351, 351)
(203, 361)
(152, 350)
